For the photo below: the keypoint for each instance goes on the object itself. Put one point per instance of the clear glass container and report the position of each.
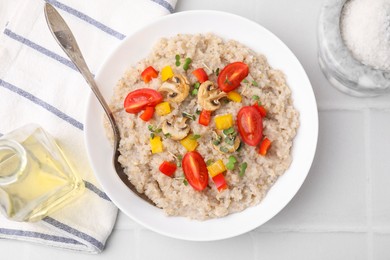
(35, 177)
(336, 61)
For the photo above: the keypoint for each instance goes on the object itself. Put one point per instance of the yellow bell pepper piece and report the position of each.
(189, 143)
(224, 121)
(163, 109)
(166, 73)
(216, 168)
(156, 144)
(234, 96)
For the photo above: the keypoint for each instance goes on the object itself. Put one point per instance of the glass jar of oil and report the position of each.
(35, 177)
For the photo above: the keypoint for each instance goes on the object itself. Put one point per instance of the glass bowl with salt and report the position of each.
(354, 45)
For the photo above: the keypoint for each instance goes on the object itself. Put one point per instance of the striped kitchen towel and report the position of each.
(39, 84)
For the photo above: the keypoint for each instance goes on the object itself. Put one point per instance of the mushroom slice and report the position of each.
(209, 96)
(225, 143)
(177, 128)
(177, 88)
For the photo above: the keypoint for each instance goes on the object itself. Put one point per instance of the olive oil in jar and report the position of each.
(35, 177)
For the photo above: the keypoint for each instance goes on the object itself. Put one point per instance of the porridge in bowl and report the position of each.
(206, 126)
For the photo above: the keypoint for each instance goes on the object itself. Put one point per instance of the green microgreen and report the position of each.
(227, 81)
(188, 115)
(256, 97)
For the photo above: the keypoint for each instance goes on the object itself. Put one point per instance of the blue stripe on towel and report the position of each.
(39, 48)
(21, 233)
(87, 19)
(42, 103)
(74, 232)
(96, 190)
(164, 4)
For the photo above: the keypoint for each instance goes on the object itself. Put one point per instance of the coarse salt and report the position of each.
(365, 28)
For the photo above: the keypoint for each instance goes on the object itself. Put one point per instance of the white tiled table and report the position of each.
(342, 210)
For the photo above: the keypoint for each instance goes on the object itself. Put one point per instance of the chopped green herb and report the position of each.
(177, 57)
(255, 97)
(187, 63)
(152, 135)
(167, 135)
(195, 137)
(230, 164)
(209, 162)
(196, 85)
(185, 182)
(245, 81)
(198, 111)
(229, 131)
(243, 167)
(188, 115)
(177, 63)
(151, 128)
(158, 130)
(217, 72)
(194, 92)
(227, 81)
(224, 149)
(255, 84)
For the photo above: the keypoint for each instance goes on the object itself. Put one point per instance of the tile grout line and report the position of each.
(368, 163)
(349, 107)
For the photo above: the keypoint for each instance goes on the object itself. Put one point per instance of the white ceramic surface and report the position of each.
(228, 26)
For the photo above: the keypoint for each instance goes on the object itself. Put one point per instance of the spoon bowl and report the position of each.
(65, 38)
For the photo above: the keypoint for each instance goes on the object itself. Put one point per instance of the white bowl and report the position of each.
(136, 47)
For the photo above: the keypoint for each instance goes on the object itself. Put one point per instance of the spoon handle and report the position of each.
(67, 41)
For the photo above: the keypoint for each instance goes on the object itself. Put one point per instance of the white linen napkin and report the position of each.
(39, 84)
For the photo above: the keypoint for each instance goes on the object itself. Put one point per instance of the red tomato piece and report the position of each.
(168, 168)
(250, 125)
(205, 117)
(147, 114)
(261, 109)
(139, 99)
(148, 74)
(231, 76)
(195, 170)
(220, 182)
(264, 146)
(201, 75)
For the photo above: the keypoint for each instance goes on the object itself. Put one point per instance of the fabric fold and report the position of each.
(39, 84)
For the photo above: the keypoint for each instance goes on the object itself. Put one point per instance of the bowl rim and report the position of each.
(211, 235)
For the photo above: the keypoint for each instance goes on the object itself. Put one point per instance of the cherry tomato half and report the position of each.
(250, 125)
(195, 170)
(139, 99)
(232, 75)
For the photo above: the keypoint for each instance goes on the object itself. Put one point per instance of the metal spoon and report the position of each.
(66, 40)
